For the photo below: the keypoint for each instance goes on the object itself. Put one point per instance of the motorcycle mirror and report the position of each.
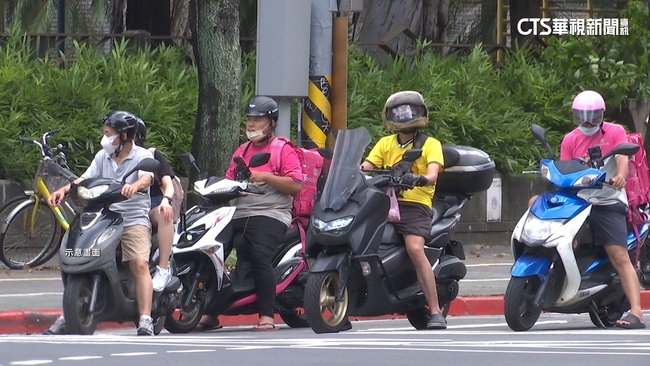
(626, 148)
(188, 159)
(412, 155)
(540, 134)
(259, 159)
(326, 152)
(147, 164)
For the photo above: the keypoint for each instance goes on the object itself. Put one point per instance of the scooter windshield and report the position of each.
(345, 175)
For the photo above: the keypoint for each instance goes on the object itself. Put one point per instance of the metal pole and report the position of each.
(500, 26)
(299, 134)
(317, 111)
(284, 121)
(60, 23)
(340, 73)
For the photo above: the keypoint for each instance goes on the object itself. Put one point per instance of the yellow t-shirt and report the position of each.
(387, 152)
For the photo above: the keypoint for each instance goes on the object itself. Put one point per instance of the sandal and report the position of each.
(437, 321)
(633, 322)
(205, 327)
(260, 327)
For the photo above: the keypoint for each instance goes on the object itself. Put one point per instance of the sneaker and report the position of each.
(161, 278)
(57, 328)
(145, 327)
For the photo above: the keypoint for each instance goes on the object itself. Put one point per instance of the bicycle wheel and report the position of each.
(53, 249)
(29, 235)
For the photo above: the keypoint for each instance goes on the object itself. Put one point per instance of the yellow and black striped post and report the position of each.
(317, 112)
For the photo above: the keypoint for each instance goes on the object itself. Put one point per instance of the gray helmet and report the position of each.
(263, 106)
(405, 110)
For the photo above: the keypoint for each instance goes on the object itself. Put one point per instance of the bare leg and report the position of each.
(629, 280)
(165, 236)
(415, 249)
(143, 287)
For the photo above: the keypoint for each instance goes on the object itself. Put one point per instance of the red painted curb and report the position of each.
(37, 320)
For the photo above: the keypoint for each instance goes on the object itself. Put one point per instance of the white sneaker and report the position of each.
(57, 328)
(145, 326)
(161, 278)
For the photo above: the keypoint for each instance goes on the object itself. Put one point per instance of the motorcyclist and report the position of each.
(118, 156)
(406, 112)
(263, 219)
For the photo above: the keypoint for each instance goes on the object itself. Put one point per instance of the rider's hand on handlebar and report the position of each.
(617, 181)
(128, 190)
(414, 180)
(56, 197)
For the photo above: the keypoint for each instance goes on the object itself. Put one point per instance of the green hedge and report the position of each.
(472, 101)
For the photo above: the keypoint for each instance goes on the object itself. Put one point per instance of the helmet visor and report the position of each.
(404, 113)
(588, 118)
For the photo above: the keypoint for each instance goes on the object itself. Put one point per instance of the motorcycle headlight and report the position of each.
(586, 181)
(107, 234)
(334, 225)
(90, 193)
(536, 231)
(191, 236)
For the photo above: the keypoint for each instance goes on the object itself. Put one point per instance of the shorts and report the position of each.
(155, 201)
(136, 242)
(415, 219)
(609, 224)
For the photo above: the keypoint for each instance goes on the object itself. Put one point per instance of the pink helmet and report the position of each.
(588, 108)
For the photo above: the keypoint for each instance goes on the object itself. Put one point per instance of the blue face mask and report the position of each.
(589, 131)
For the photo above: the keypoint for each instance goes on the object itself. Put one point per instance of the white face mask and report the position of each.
(257, 135)
(107, 144)
(589, 131)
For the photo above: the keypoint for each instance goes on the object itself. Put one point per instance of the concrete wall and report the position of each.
(474, 228)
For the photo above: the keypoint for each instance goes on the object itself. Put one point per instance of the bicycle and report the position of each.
(28, 219)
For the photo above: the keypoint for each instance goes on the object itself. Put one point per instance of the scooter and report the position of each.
(97, 286)
(361, 265)
(549, 273)
(203, 241)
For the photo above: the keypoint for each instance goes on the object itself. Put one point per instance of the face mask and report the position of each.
(589, 131)
(256, 135)
(107, 144)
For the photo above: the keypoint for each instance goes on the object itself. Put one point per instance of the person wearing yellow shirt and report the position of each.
(405, 112)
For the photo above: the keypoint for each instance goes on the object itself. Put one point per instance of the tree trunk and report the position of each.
(180, 13)
(217, 52)
(428, 19)
(520, 9)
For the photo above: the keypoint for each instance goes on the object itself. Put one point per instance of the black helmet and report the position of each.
(122, 121)
(140, 130)
(263, 106)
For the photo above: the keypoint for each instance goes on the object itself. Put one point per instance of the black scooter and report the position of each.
(98, 287)
(361, 265)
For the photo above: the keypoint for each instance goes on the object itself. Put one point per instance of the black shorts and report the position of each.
(415, 219)
(609, 224)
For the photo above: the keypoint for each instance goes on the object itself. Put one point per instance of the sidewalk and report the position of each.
(30, 301)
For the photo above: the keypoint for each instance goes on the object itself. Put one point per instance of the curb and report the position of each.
(37, 320)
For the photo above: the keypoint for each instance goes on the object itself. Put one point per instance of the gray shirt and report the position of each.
(135, 210)
(606, 195)
(274, 204)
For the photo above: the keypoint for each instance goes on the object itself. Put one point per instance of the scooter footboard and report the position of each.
(450, 268)
(531, 265)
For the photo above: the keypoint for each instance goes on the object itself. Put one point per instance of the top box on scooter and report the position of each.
(467, 171)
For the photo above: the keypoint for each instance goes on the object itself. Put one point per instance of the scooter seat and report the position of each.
(439, 208)
(293, 232)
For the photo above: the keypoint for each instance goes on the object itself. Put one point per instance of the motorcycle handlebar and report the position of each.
(255, 190)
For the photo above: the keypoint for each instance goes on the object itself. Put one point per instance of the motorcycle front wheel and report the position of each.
(76, 299)
(324, 313)
(519, 310)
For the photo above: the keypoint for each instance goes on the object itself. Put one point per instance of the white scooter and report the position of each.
(202, 242)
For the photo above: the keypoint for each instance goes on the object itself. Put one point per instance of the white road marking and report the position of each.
(30, 279)
(33, 294)
(191, 350)
(485, 280)
(79, 358)
(129, 354)
(31, 362)
(488, 264)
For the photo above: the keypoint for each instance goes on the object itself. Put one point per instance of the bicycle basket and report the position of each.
(52, 182)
